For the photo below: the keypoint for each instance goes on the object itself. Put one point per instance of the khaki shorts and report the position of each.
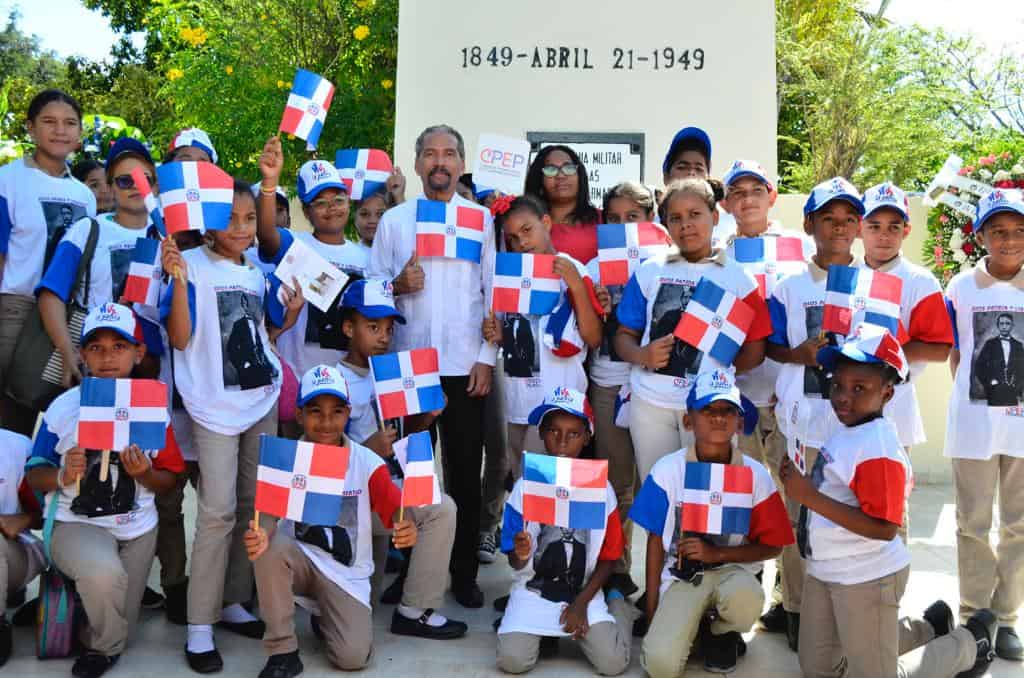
(14, 310)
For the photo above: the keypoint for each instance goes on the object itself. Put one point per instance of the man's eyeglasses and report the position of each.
(568, 169)
(125, 181)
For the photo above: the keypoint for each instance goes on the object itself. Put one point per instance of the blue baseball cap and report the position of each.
(322, 380)
(836, 188)
(567, 400)
(373, 298)
(687, 134)
(746, 168)
(720, 384)
(999, 200)
(316, 176)
(868, 344)
(888, 195)
(127, 145)
(113, 317)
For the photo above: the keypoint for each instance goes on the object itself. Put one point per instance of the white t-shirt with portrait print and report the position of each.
(228, 376)
(35, 210)
(986, 409)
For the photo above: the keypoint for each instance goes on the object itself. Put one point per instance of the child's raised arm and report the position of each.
(179, 320)
(271, 163)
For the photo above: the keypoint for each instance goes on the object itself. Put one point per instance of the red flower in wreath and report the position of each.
(968, 248)
(1007, 183)
(967, 228)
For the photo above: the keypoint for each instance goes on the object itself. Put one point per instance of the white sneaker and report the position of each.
(486, 550)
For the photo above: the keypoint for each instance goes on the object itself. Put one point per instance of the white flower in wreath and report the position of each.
(985, 175)
(956, 241)
(959, 256)
(1018, 169)
(1003, 175)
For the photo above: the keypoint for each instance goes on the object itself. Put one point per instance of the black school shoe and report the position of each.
(151, 600)
(981, 625)
(940, 617)
(720, 652)
(468, 595)
(6, 640)
(774, 620)
(204, 662)
(93, 664)
(250, 629)
(285, 665)
(1008, 644)
(393, 594)
(419, 628)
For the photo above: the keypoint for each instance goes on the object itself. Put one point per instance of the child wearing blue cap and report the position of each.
(316, 337)
(368, 317)
(331, 564)
(832, 217)
(104, 533)
(690, 573)
(985, 426)
(857, 565)
(560, 572)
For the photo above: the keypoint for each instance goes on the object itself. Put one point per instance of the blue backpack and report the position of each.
(60, 611)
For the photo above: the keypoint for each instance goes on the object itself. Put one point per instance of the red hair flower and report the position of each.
(501, 204)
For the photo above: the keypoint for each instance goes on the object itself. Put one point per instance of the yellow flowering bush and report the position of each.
(361, 32)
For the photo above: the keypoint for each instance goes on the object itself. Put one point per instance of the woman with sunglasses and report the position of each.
(558, 177)
(118, 232)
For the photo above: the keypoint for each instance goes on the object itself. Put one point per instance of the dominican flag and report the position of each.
(856, 295)
(769, 259)
(307, 106)
(415, 455)
(116, 413)
(149, 199)
(715, 321)
(525, 283)
(142, 285)
(301, 481)
(447, 230)
(565, 492)
(364, 170)
(623, 247)
(717, 498)
(196, 196)
(407, 383)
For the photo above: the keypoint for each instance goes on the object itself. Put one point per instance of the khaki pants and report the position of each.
(17, 569)
(14, 311)
(226, 497)
(615, 445)
(656, 432)
(283, 572)
(855, 631)
(992, 578)
(427, 577)
(170, 534)
(767, 445)
(606, 645)
(109, 575)
(492, 500)
(732, 590)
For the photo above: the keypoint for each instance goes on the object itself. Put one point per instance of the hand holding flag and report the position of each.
(715, 322)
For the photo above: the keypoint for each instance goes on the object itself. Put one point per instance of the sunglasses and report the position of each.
(567, 170)
(125, 181)
(324, 203)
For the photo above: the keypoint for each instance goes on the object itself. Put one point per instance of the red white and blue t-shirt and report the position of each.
(659, 504)
(122, 506)
(863, 466)
(653, 303)
(368, 488)
(561, 562)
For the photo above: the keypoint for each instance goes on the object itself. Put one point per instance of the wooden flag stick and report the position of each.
(401, 506)
(104, 465)
(256, 518)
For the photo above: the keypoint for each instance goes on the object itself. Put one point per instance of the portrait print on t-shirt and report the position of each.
(99, 498)
(246, 364)
(611, 325)
(324, 329)
(559, 563)
(341, 540)
(817, 382)
(59, 216)
(120, 260)
(520, 341)
(997, 366)
(668, 309)
(817, 478)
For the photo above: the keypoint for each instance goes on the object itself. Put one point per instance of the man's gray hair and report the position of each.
(444, 129)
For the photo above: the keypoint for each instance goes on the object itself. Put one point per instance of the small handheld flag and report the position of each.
(196, 196)
(769, 259)
(149, 199)
(717, 498)
(525, 283)
(715, 321)
(565, 492)
(623, 247)
(856, 295)
(415, 455)
(364, 170)
(307, 106)
(142, 286)
(446, 230)
(116, 413)
(301, 481)
(407, 383)
(798, 455)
